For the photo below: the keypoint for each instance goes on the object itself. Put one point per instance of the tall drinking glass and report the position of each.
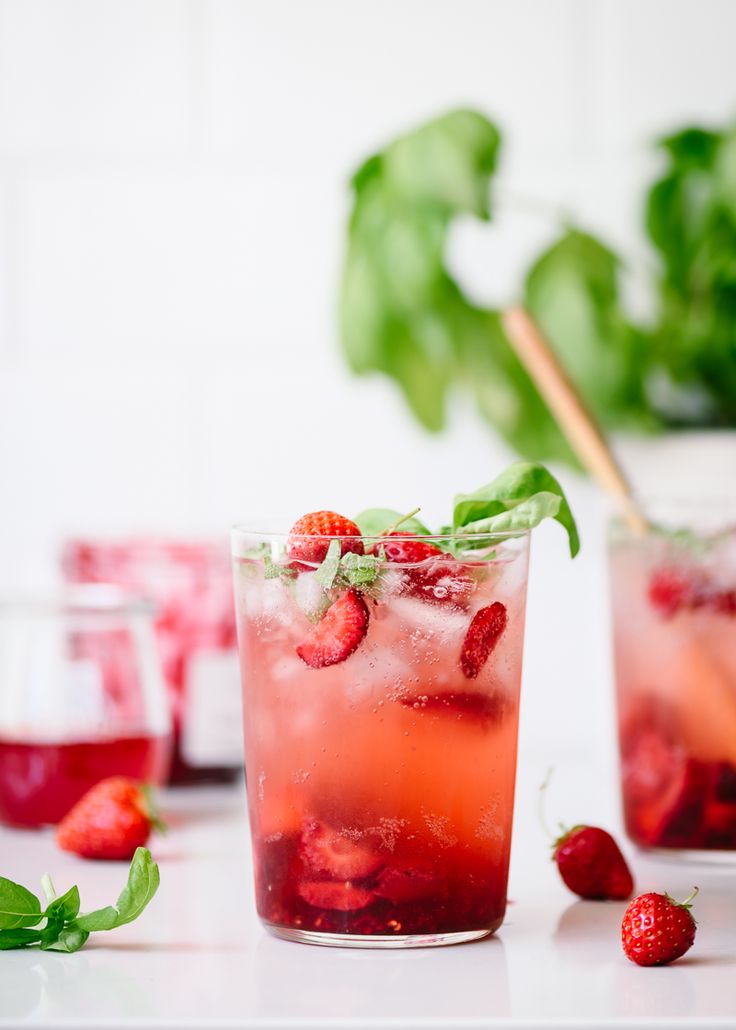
(674, 634)
(381, 782)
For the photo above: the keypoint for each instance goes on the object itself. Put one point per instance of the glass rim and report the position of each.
(240, 530)
(79, 599)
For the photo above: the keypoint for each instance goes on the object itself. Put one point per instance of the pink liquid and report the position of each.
(381, 788)
(675, 656)
(40, 782)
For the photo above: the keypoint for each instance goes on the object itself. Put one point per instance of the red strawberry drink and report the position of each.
(674, 620)
(381, 669)
(380, 727)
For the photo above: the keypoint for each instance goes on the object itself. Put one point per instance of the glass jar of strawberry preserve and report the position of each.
(190, 583)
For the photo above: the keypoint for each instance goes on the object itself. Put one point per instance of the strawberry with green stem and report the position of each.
(589, 860)
(656, 929)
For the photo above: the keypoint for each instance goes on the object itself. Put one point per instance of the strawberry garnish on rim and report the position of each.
(485, 630)
(337, 634)
(322, 526)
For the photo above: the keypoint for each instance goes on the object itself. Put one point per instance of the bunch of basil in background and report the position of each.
(403, 314)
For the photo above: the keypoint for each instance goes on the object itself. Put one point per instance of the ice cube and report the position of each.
(446, 625)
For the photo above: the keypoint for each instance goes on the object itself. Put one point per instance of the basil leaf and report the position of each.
(375, 521)
(71, 938)
(326, 573)
(65, 907)
(18, 907)
(100, 919)
(21, 938)
(143, 882)
(517, 500)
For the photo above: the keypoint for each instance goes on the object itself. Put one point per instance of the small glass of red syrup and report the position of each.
(81, 698)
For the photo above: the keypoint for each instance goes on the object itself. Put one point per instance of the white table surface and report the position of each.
(199, 958)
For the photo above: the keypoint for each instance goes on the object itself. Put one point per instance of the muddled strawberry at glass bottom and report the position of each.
(381, 722)
(674, 628)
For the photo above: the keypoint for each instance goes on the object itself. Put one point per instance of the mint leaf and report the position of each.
(375, 522)
(18, 907)
(517, 500)
(359, 570)
(272, 570)
(70, 939)
(326, 573)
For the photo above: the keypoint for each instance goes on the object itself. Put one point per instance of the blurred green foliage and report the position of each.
(403, 314)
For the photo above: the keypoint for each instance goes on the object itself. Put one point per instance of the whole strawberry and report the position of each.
(591, 864)
(310, 535)
(656, 929)
(112, 819)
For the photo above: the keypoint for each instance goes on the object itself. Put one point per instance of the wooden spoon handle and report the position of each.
(577, 423)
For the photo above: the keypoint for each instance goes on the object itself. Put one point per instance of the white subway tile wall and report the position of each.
(172, 202)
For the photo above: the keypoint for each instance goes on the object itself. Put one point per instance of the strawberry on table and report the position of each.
(112, 819)
(321, 525)
(656, 929)
(484, 632)
(337, 634)
(591, 864)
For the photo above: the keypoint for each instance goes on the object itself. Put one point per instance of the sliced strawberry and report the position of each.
(325, 850)
(400, 886)
(406, 548)
(442, 580)
(337, 634)
(664, 788)
(437, 577)
(669, 591)
(724, 602)
(321, 526)
(724, 782)
(462, 704)
(341, 897)
(484, 632)
(672, 590)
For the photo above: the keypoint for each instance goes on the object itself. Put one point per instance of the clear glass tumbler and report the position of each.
(81, 698)
(674, 636)
(380, 738)
(191, 585)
